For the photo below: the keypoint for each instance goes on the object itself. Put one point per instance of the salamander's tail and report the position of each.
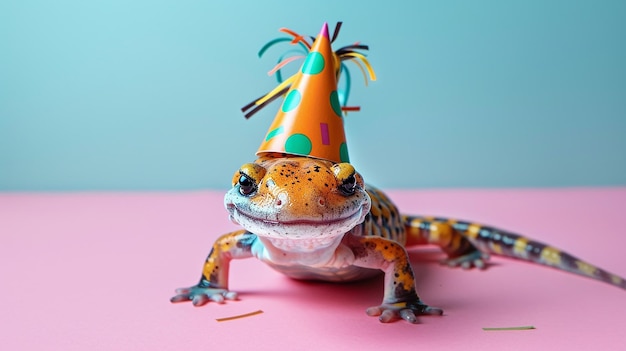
(461, 239)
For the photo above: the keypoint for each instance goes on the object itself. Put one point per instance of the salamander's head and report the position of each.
(298, 203)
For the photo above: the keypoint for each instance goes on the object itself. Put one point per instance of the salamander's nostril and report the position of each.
(321, 201)
(281, 200)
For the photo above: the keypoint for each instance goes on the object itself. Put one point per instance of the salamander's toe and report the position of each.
(474, 259)
(407, 311)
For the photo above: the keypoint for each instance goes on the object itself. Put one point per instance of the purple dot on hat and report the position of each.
(292, 100)
(325, 134)
(334, 102)
(298, 144)
(313, 64)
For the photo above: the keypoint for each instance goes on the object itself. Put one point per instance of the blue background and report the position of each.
(145, 95)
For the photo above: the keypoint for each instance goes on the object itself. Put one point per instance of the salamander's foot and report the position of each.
(403, 310)
(199, 295)
(473, 259)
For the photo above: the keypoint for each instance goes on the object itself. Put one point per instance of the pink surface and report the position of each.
(96, 271)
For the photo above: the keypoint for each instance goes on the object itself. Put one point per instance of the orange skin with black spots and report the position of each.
(314, 219)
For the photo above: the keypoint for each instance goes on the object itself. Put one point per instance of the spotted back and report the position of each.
(384, 219)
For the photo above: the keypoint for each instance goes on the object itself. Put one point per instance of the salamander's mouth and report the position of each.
(297, 222)
(295, 228)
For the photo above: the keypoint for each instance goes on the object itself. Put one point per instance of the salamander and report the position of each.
(315, 219)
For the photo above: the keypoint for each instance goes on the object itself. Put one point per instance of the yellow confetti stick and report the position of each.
(526, 327)
(238, 316)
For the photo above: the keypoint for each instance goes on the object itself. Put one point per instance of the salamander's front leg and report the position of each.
(400, 299)
(213, 285)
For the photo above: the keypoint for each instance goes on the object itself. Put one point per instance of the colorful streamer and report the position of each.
(347, 53)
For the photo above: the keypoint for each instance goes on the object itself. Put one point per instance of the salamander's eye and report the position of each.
(248, 177)
(247, 186)
(347, 177)
(349, 185)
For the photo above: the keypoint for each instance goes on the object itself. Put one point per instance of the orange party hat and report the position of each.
(310, 122)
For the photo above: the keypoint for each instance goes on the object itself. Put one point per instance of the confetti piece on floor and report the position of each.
(526, 327)
(239, 316)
